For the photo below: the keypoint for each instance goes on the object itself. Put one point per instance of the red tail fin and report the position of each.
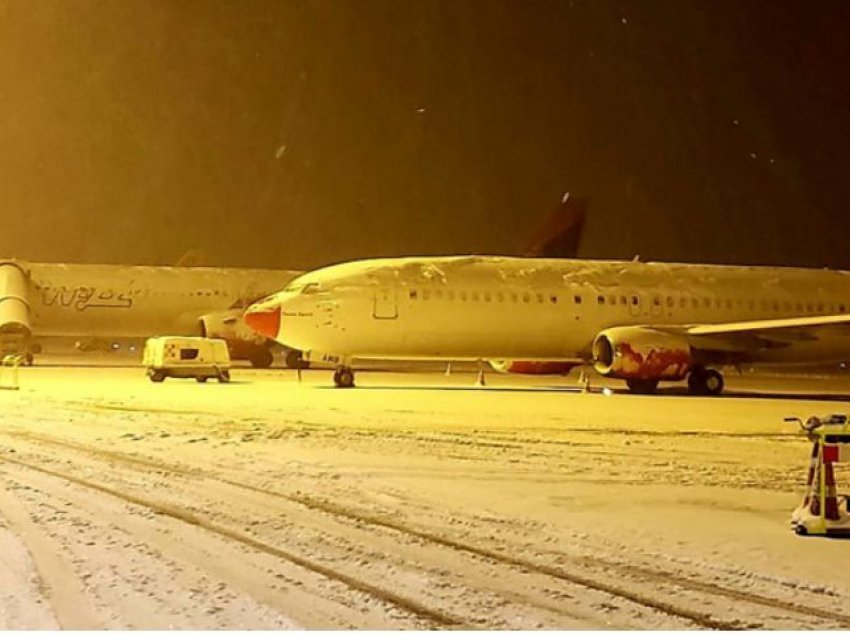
(560, 234)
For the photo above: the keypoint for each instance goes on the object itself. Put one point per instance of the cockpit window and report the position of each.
(302, 288)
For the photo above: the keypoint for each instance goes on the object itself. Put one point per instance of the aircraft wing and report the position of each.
(748, 337)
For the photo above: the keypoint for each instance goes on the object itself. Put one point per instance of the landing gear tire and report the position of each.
(294, 360)
(642, 386)
(703, 381)
(344, 378)
(262, 359)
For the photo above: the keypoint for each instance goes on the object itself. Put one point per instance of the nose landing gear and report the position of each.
(702, 381)
(344, 377)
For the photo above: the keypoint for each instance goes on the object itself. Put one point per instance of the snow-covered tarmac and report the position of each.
(413, 501)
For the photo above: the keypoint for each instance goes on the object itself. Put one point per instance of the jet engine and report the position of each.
(242, 342)
(15, 329)
(638, 353)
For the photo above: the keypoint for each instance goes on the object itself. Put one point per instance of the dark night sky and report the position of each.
(299, 133)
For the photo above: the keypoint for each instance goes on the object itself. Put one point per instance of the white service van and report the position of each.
(186, 357)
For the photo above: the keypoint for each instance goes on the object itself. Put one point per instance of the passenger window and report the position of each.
(612, 300)
(718, 303)
(462, 296)
(656, 300)
(635, 301)
(670, 301)
(577, 300)
(487, 297)
(695, 302)
(553, 299)
(706, 302)
(600, 300)
(683, 302)
(500, 297)
(526, 297)
(841, 309)
(540, 298)
(820, 307)
(413, 294)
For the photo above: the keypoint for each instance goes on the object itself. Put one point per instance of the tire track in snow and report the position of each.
(588, 581)
(434, 616)
(57, 581)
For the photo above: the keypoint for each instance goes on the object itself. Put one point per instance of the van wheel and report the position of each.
(224, 376)
(156, 376)
(201, 379)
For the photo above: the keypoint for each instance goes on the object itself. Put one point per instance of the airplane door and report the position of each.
(385, 306)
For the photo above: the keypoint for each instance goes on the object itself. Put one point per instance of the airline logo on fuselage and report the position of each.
(83, 298)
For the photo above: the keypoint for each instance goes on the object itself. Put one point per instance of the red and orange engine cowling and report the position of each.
(641, 353)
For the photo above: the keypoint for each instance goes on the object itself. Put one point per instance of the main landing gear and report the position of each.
(344, 377)
(702, 381)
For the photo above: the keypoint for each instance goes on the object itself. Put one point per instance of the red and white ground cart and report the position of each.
(824, 511)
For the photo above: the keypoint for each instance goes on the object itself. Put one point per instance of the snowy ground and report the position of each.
(413, 501)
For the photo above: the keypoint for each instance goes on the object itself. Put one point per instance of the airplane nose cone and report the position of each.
(265, 321)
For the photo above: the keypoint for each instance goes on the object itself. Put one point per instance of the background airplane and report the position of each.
(49, 299)
(640, 322)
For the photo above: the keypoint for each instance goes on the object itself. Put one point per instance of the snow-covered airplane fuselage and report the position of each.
(52, 299)
(642, 322)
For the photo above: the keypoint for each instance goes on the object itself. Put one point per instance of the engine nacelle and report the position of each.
(15, 328)
(242, 342)
(641, 353)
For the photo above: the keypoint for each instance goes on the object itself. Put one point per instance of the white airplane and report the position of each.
(49, 299)
(641, 322)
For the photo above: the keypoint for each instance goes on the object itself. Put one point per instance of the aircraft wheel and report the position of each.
(703, 381)
(344, 378)
(294, 359)
(262, 359)
(713, 382)
(642, 386)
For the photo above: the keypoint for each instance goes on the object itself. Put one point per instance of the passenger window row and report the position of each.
(487, 297)
(670, 302)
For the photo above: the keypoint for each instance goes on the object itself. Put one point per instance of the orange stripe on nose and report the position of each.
(265, 322)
